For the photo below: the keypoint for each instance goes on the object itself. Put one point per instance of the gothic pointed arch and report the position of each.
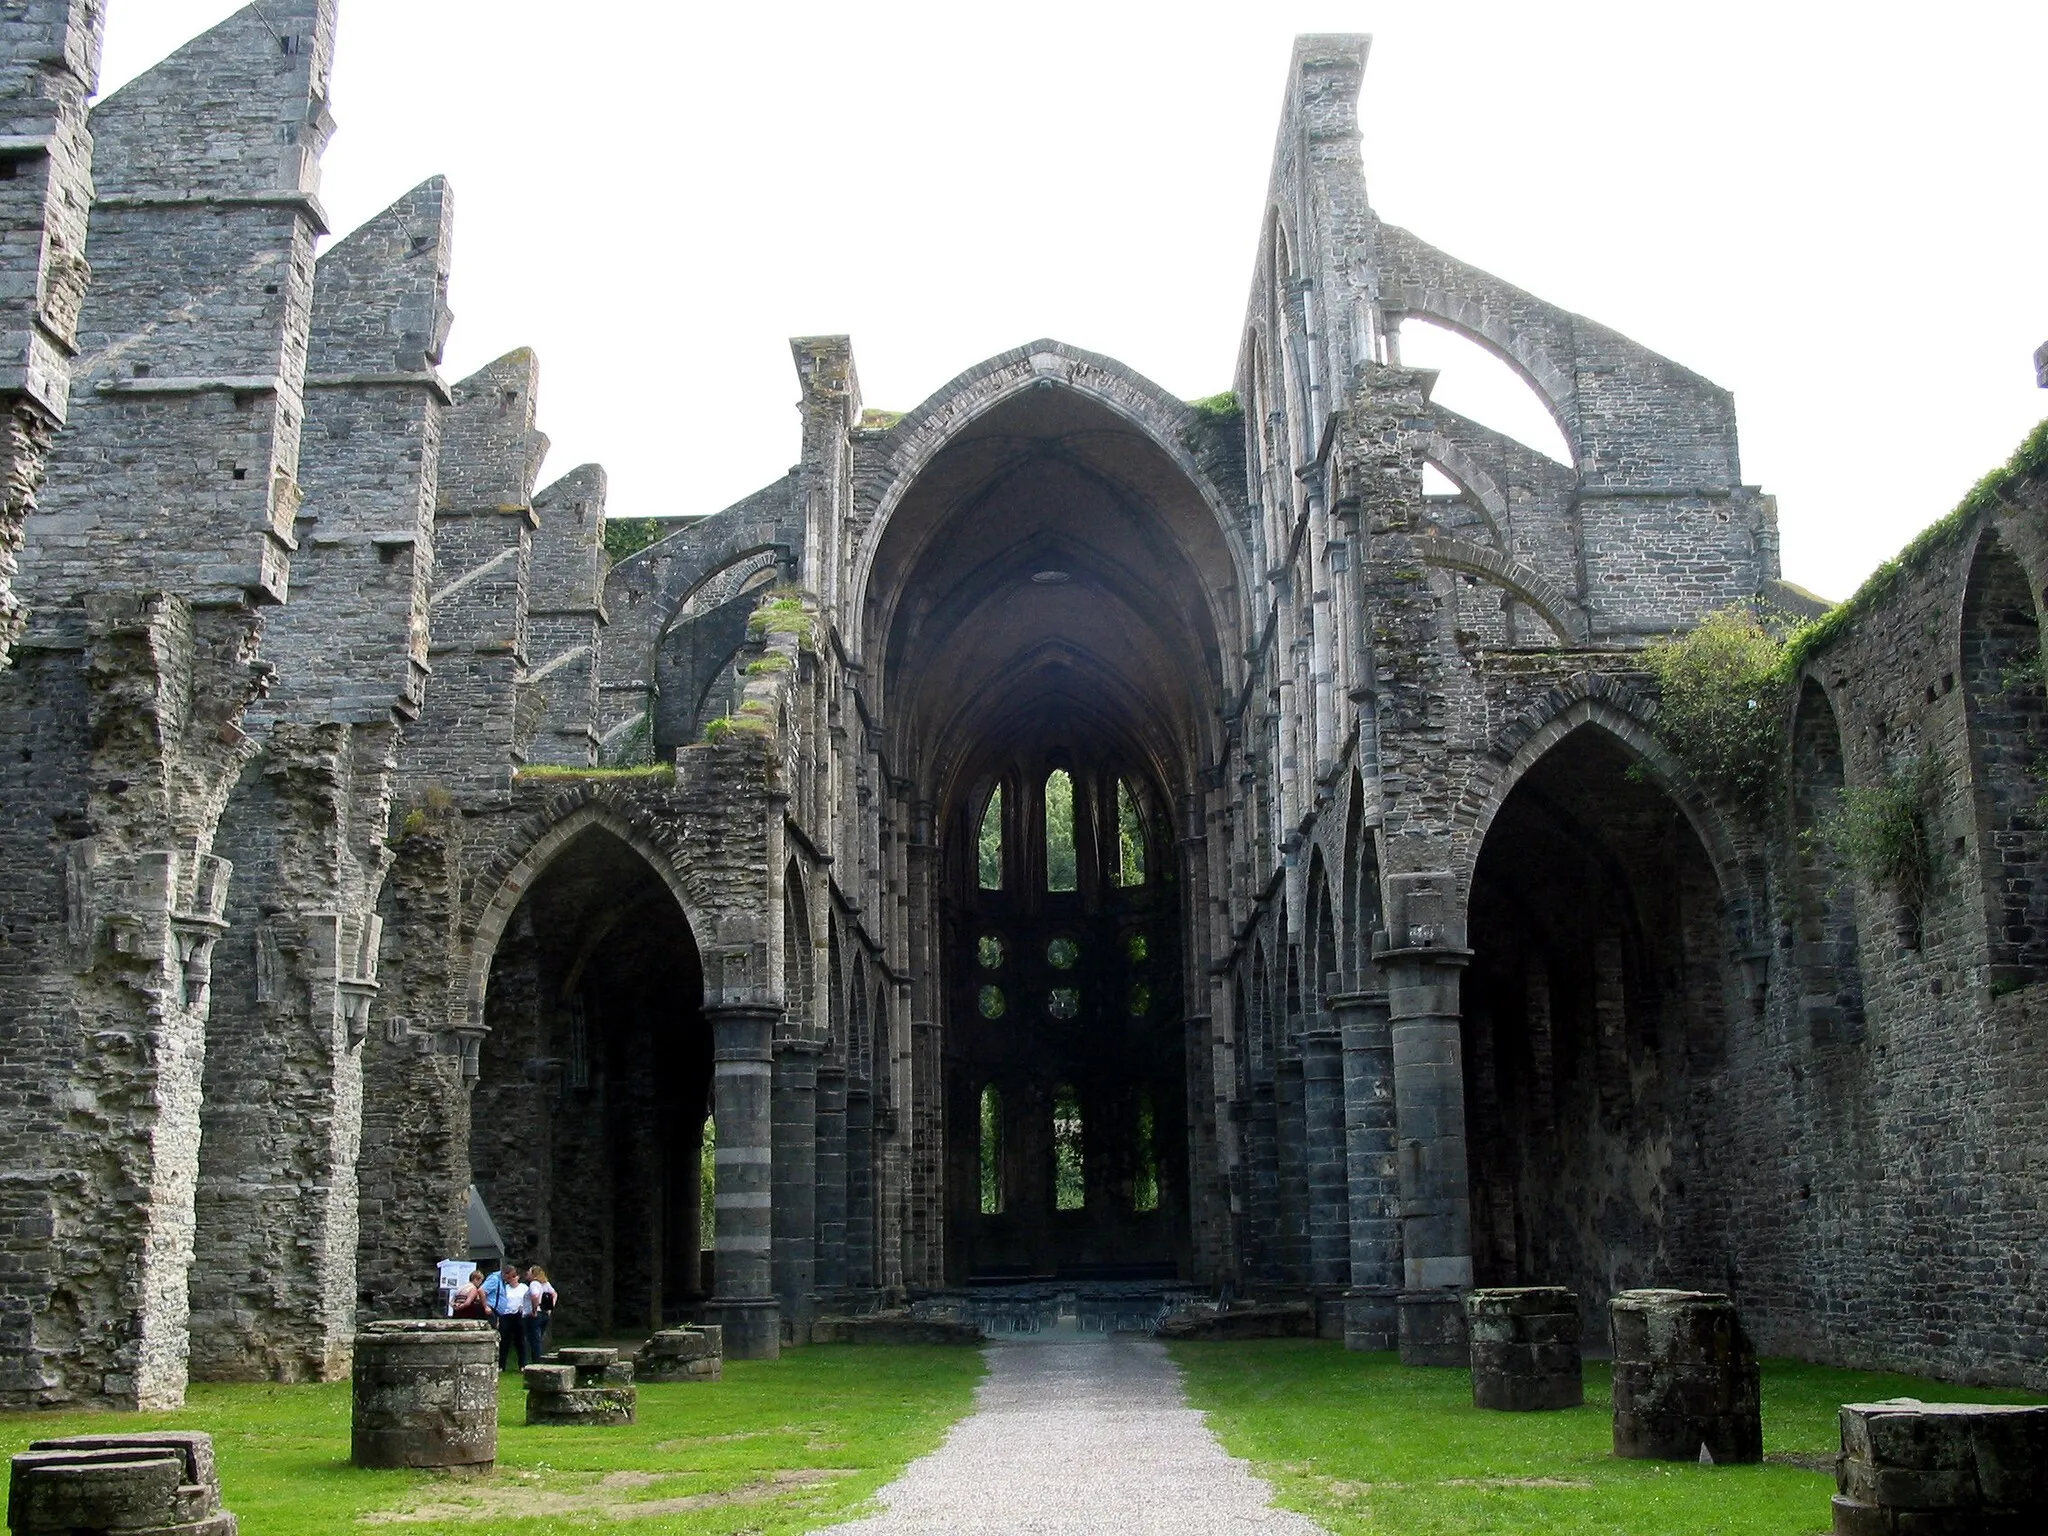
(1827, 949)
(2008, 730)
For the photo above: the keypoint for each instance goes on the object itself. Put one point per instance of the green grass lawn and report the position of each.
(777, 1447)
(1362, 1443)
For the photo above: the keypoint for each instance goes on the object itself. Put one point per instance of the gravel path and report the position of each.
(1079, 1439)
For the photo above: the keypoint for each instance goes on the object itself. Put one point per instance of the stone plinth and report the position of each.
(426, 1394)
(1684, 1377)
(581, 1386)
(1432, 1329)
(1525, 1348)
(681, 1354)
(133, 1484)
(1910, 1468)
(894, 1328)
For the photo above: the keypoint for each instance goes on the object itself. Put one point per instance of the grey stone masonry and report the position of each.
(273, 1288)
(425, 1394)
(581, 1386)
(1371, 1170)
(566, 619)
(97, 1485)
(194, 341)
(1525, 1348)
(681, 1354)
(167, 510)
(1685, 1378)
(49, 66)
(744, 1303)
(473, 732)
(1910, 1468)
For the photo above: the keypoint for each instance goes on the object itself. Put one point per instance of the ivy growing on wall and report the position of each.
(1881, 831)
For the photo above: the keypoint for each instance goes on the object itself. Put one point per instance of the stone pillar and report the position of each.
(1685, 1376)
(274, 1280)
(49, 67)
(425, 1394)
(1525, 1348)
(860, 1185)
(1263, 1153)
(1371, 1172)
(743, 1054)
(1290, 1155)
(795, 1226)
(1329, 1198)
(832, 1202)
(162, 532)
(566, 617)
(1910, 1468)
(1429, 1108)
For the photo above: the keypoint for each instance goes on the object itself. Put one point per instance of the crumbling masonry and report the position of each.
(1060, 831)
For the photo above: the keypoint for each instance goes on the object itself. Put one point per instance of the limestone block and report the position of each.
(581, 1386)
(894, 1328)
(426, 1394)
(1525, 1348)
(89, 1484)
(1910, 1468)
(681, 1354)
(1685, 1376)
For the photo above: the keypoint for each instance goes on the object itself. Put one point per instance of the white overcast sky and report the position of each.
(1834, 210)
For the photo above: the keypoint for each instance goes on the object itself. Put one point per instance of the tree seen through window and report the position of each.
(992, 842)
(1070, 1186)
(1059, 831)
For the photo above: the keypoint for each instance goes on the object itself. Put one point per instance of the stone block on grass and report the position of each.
(1910, 1468)
(681, 1354)
(1525, 1349)
(581, 1386)
(1685, 1377)
(425, 1394)
(86, 1485)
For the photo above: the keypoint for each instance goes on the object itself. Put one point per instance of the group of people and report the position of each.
(520, 1307)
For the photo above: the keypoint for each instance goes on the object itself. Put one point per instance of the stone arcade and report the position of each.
(1086, 835)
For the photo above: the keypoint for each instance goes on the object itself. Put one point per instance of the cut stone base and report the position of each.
(425, 1394)
(752, 1329)
(1525, 1349)
(581, 1386)
(1372, 1322)
(160, 1484)
(681, 1354)
(894, 1328)
(1685, 1376)
(1259, 1320)
(1910, 1468)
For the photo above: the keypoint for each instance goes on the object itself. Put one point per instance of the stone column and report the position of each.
(795, 1226)
(860, 1186)
(832, 1202)
(742, 1038)
(1436, 1197)
(1329, 1197)
(1291, 1156)
(1370, 1169)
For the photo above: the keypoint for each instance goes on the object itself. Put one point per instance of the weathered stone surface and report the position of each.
(425, 1394)
(1910, 1468)
(95, 1485)
(581, 1386)
(1685, 1376)
(682, 1354)
(1525, 1348)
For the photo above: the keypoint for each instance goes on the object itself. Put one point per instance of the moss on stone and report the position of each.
(1223, 407)
(660, 772)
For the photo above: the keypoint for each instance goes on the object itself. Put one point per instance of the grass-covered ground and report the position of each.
(777, 1447)
(1364, 1444)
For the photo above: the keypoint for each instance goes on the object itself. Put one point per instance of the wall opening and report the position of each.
(1060, 868)
(1069, 1164)
(1481, 387)
(1825, 942)
(2002, 681)
(991, 841)
(991, 1151)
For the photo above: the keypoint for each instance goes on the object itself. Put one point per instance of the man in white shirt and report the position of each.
(508, 1300)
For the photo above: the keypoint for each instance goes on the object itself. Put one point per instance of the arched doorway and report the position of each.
(1044, 618)
(1594, 1011)
(594, 1083)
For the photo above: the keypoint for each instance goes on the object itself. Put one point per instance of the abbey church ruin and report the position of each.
(1059, 833)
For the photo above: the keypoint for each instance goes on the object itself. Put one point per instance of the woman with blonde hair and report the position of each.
(540, 1306)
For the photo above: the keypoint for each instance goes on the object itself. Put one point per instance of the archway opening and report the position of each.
(1042, 621)
(587, 1122)
(1594, 1013)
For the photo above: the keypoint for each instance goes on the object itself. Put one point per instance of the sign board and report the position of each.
(454, 1274)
